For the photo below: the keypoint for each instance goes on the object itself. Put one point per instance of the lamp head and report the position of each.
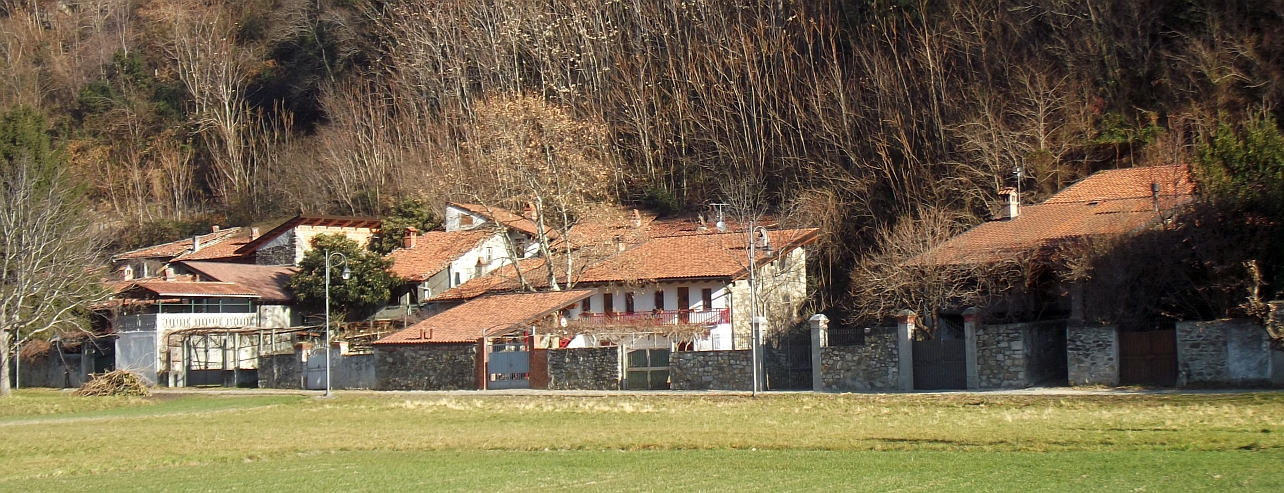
(347, 273)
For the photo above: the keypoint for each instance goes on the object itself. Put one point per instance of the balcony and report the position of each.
(715, 316)
(178, 321)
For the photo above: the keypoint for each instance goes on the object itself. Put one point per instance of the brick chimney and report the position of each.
(1010, 205)
(637, 219)
(412, 235)
(169, 274)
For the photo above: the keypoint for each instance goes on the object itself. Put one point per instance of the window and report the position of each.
(659, 299)
(706, 299)
(628, 302)
(490, 254)
(208, 305)
(458, 279)
(465, 220)
(608, 303)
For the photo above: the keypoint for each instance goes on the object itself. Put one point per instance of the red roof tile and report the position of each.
(1106, 203)
(695, 256)
(506, 218)
(490, 315)
(176, 248)
(312, 220)
(434, 251)
(503, 279)
(268, 281)
(193, 289)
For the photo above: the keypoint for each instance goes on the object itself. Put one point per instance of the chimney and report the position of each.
(128, 273)
(196, 243)
(214, 228)
(1154, 195)
(408, 240)
(619, 244)
(529, 211)
(169, 274)
(254, 233)
(1011, 205)
(637, 219)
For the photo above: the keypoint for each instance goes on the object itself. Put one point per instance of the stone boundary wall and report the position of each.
(1224, 353)
(1092, 355)
(280, 371)
(425, 366)
(352, 371)
(872, 366)
(711, 370)
(1001, 356)
(595, 368)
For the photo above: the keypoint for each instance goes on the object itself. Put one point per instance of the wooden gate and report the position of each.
(1148, 358)
(940, 364)
(648, 369)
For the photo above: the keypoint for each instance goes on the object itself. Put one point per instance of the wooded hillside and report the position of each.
(852, 116)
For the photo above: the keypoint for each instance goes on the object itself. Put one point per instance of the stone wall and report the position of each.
(352, 371)
(283, 254)
(1223, 353)
(280, 371)
(711, 370)
(595, 368)
(1092, 355)
(872, 366)
(1001, 356)
(425, 366)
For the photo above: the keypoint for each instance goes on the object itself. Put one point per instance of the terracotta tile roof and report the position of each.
(492, 315)
(504, 217)
(268, 281)
(503, 279)
(223, 250)
(434, 251)
(310, 220)
(177, 248)
(171, 289)
(1107, 203)
(695, 256)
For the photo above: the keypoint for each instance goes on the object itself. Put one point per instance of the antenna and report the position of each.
(722, 223)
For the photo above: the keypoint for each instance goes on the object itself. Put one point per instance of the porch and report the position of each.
(715, 316)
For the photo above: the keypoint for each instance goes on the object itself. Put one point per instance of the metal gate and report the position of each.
(1148, 358)
(789, 367)
(940, 364)
(315, 369)
(648, 369)
(508, 366)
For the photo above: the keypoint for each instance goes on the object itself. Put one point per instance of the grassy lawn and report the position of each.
(50, 441)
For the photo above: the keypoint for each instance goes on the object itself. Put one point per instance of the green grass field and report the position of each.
(51, 441)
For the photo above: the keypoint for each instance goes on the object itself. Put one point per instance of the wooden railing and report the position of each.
(661, 317)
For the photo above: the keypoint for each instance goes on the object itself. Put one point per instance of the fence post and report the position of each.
(819, 339)
(970, 317)
(905, 320)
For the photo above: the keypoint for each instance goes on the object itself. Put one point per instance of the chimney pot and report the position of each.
(529, 211)
(1011, 204)
(619, 244)
(214, 228)
(196, 243)
(637, 219)
(411, 237)
(254, 233)
(169, 274)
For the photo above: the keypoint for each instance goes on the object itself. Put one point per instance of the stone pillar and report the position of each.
(971, 317)
(905, 320)
(819, 339)
(1092, 355)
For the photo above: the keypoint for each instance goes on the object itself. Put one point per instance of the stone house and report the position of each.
(1050, 321)
(219, 245)
(288, 242)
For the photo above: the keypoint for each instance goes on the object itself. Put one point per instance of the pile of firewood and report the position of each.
(119, 382)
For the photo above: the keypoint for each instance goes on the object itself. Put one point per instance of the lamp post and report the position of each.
(343, 260)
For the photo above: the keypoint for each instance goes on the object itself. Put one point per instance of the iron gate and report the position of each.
(508, 366)
(789, 367)
(940, 364)
(1148, 358)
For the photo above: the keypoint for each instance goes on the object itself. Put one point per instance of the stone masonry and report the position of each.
(280, 371)
(1224, 353)
(425, 366)
(596, 368)
(1092, 355)
(1000, 356)
(711, 370)
(873, 366)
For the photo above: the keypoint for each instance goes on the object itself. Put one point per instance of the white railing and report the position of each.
(178, 321)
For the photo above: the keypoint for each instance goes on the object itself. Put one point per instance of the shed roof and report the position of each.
(268, 281)
(192, 289)
(490, 315)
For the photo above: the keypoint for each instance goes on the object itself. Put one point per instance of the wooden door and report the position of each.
(1148, 358)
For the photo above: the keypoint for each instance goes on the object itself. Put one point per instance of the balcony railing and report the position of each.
(660, 317)
(178, 321)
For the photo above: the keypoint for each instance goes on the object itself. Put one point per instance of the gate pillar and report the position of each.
(970, 318)
(905, 320)
(819, 339)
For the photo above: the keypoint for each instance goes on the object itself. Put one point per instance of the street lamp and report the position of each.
(343, 260)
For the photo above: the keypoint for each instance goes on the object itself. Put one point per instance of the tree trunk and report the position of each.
(5, 340)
